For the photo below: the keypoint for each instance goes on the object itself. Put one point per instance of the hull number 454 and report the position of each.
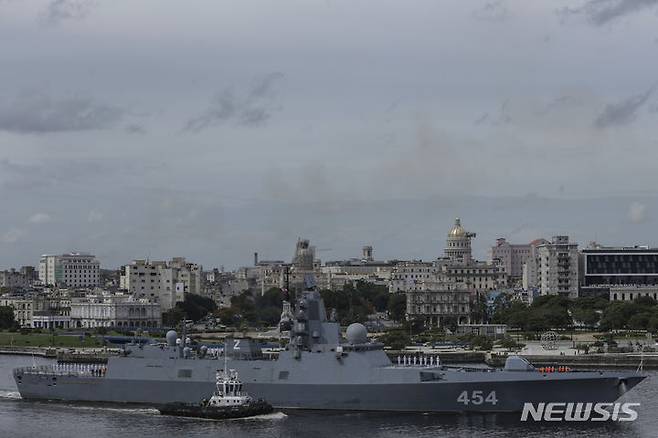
(477, 398)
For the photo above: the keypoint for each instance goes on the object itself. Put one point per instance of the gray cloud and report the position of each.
(251, 108)
(20, 176)
(13, 235)
(557, 104)
(39, 218)
(501, 117)
(623, 112)
(135, 128)
(39, 113)
(495, 11)
(637, 212)
(61, 10)
(600, 12)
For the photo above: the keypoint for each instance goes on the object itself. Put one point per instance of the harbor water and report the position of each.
(23, 419)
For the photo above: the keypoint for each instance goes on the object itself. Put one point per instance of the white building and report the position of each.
(632, 292)
(160, 281)
(75, 270)
(120, 311)
(557, 267)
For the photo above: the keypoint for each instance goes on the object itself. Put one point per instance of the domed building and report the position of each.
(458, 244)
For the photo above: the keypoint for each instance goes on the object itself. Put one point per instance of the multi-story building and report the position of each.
(23, 308)
(31, 275)
(411, 276)
(437, 304)
(478, 277)
(336, 274)
(38, 309)
(637, 265)
(13, 279)
(530, 268)
(447, 286)
(557, 267)
(510, 257)
(160, 281)
(619, 273)
(114, 310)
(458, 244)
(76, 270)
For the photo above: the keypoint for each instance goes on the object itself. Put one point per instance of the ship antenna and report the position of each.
(225, 358)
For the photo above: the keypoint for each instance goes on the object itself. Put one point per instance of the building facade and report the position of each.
(76, 270)
(458, 244)
(558, 267)
(447, 287)
(13, 279)
(637, 265)
(511, 257)
(119, 311)
(619, 273)
(163, 282)
(435, 305)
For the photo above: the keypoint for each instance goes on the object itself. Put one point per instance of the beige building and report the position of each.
(435, 305)
(160, 281)
(511, 257)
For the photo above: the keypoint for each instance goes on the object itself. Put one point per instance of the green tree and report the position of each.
(510, 343)
(172, 317)
(617, 315)
(397, 306)
(227, 316)
(396, 339)
(450, 323)
(7, 320)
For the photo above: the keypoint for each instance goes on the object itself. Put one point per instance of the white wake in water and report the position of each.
(138, 411)
(12, 395)
(272, 416)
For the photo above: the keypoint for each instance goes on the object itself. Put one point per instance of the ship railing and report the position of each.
(66, 369)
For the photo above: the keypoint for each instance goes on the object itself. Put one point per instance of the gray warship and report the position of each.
(317, 370)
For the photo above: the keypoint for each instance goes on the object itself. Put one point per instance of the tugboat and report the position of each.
(228, 401)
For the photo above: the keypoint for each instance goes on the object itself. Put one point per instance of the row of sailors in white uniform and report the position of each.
(87, 369)
(425, 361)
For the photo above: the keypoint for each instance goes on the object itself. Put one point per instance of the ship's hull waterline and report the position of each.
(508, 396)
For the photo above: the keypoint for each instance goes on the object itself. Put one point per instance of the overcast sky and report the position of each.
(213, 129)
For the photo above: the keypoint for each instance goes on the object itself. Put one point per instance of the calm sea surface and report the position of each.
(23, 419)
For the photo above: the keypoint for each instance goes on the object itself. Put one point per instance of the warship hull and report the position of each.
(501, 395)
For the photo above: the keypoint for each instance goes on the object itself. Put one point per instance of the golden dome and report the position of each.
(457, 230)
